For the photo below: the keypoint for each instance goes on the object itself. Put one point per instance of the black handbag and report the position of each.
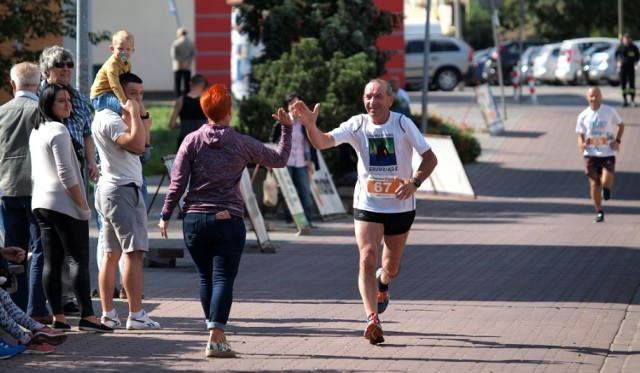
(8, 280)
(79, 150)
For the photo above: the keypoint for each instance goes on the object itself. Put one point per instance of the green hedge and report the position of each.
(466, 144)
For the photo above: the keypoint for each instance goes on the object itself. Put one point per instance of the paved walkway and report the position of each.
(518, 280)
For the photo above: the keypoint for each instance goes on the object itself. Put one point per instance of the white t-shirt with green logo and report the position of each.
(384, 153)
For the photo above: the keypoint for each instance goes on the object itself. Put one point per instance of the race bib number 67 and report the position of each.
(382, 187)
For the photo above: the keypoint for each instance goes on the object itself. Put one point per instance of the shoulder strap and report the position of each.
(359, 125)
(400, 123)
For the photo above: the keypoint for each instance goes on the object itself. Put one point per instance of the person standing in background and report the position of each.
(56, 66)
(188, 108)
(120, 141)
(302, 163)
(627, 56)
(60, 205)
(183, 51)
(401, 96)
(16, 122)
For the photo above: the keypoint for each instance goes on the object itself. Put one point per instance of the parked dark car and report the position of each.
(477, 66)
(509, 55)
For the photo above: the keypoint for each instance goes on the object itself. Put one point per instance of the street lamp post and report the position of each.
(425, 70)
(620, 20)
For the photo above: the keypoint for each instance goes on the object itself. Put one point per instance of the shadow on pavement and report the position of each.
(490, 179)
(440, 272)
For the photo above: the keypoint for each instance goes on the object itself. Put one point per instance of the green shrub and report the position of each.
(337, 84)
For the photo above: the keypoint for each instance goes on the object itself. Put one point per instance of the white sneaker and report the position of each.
(113, 323)
(142, 323)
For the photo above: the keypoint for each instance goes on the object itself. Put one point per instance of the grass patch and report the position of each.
(163, 139)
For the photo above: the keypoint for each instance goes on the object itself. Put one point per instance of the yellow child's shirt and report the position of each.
(108, 78)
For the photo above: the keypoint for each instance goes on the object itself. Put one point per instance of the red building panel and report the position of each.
(212, 7)
(395, 6)
(213, 40)
(216, 23)
(393, 42)
(213, 61)
(210, 43)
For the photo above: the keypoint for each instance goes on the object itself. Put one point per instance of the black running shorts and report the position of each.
(394, 223)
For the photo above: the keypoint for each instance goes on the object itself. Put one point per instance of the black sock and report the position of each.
(381, 286)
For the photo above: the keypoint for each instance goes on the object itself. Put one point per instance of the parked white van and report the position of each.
(570, 63)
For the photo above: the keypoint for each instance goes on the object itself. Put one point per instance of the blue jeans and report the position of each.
(216, 248)
(300, 179)
(107, 100)
(21, 230)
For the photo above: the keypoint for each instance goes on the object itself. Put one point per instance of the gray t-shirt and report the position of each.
(118, 166)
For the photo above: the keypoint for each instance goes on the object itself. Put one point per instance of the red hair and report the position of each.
(216, 102)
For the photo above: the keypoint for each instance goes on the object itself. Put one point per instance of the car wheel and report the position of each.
(581, 78)
(447, 79)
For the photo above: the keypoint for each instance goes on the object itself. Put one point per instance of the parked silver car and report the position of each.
(449, 61)
(570, 61)
(525, 63)
(603, 67)
(544, 65)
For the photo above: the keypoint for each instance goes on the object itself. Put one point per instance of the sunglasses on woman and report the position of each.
(60, 65)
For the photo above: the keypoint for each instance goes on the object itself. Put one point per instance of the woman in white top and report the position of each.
(60, 205)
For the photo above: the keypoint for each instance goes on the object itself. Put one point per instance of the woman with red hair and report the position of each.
(211, 161)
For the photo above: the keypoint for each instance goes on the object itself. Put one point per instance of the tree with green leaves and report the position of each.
(23, 21)
(564, 19)
(324, 50)
(337, 83)
(348, 26)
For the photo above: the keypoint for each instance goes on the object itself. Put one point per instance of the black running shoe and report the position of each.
(599, 217)
(606, 194)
